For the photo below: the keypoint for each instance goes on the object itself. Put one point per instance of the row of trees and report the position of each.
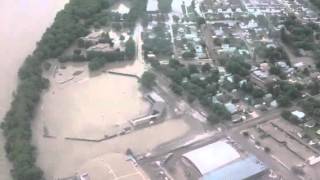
(97, 60)
(272, 54)
(137, 11)
(69, 25)
(285, 92)
(299, 36)
(316, 3)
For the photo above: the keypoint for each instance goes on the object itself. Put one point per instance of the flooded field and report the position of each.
(22, 25)
(88, 107)
(80, 105)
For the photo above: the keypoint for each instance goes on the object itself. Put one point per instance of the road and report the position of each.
(235, 134)
(207, 37)
(179, 147)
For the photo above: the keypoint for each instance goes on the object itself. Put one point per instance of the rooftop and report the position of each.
(239, 170)
(212, 156)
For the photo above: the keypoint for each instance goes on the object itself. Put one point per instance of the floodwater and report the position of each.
(22, 24)
(90, 107)
(86, 106)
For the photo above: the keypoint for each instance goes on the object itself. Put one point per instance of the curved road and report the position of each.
(22, 22)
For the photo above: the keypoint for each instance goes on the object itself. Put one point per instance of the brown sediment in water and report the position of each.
(89, 107)
(22, 25)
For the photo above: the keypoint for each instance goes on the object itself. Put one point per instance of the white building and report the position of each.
(212, 156)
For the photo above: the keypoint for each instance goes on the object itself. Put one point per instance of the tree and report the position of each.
(193, 69)
(105, 38)
(217, 41)
(245, 133)
(175, 18)
(238, 67)
(267, 149)
(275, 70)
(257, 93)
(122, 37)
(130, 48)
(314, 88)
(188, 55)
(221, 112)
(191, 98)
(206, 68)
(96, 63)
(148, 79)
(306, 71)
(164, 5)
(283, 101)
(173, 63)
(200, 21)
(155, 63)
(286, 114)
(177, 89)
(213, 119)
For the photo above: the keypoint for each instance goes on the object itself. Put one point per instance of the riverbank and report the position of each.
(17, 121)
(18, 38)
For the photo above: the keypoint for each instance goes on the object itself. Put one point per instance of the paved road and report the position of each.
(261, 155)
(178, 147)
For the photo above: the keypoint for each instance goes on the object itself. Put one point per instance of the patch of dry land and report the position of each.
(87, 107)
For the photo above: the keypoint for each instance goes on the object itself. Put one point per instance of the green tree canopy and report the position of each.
(130, 48)
(148, 80)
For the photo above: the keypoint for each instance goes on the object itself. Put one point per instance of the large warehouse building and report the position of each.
(220, 160)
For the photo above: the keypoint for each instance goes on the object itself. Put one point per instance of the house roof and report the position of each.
(152, 6)
(298, 114)
(231, 107)
(155, 97)
(212, 156)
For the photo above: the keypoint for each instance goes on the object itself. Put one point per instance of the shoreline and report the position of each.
(16, 45)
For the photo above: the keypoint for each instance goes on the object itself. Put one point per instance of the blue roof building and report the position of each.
(243, 169)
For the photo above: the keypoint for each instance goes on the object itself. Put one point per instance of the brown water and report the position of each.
(22, 22)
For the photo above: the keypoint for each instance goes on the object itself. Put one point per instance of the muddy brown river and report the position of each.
(22, 22)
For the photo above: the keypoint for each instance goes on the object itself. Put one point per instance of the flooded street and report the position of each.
(22, 24)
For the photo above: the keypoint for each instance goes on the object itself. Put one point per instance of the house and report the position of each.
(226, 48)
(151, 56)
(101, 47)
(231, 108)
(93, 37)
(299, 66)
(299, 115)
(310, 124)
(152, 7)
